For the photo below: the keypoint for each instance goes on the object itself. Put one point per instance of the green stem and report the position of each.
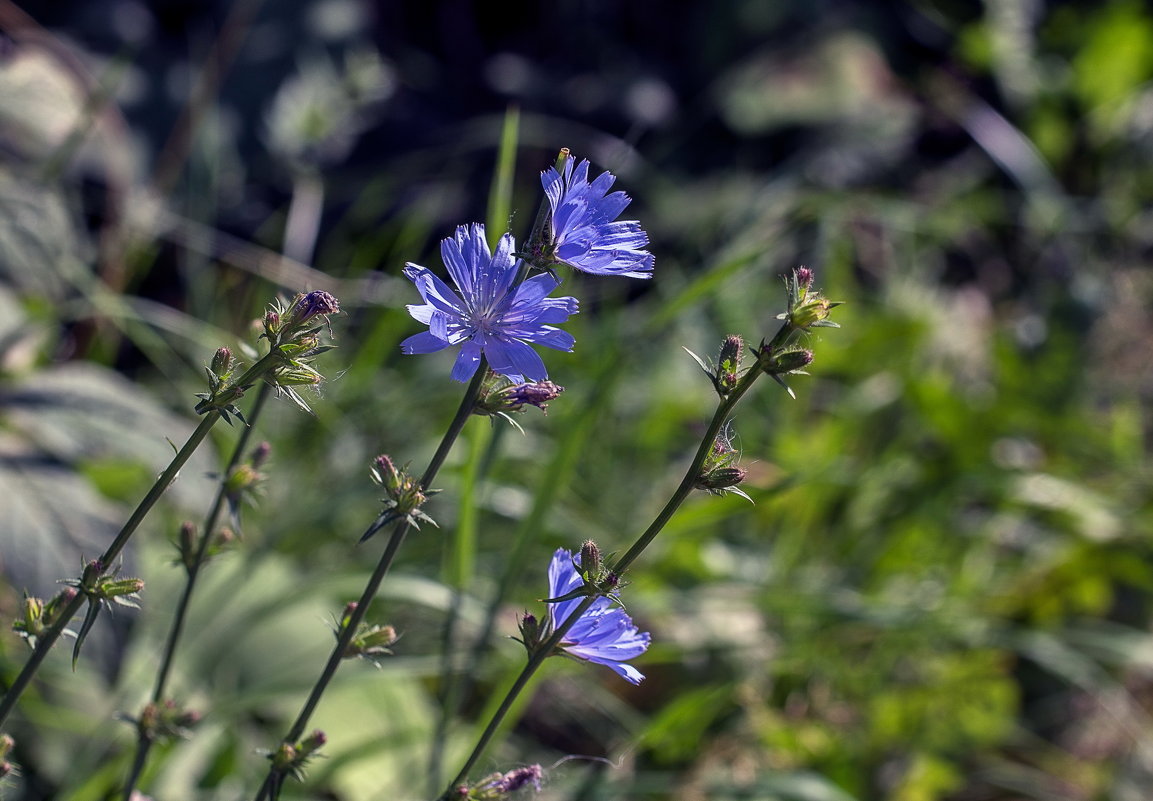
(144, 742)
(356, 616)
(548, 647)
(45, 641)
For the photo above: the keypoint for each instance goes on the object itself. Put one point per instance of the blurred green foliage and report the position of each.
(944, 588)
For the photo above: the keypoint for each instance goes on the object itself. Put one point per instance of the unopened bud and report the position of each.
(260, 454)
(803, 277)
(722, 478)
(529, 631)
(729, 364)
(590, 559)
(222, 362)
(119, 588)
(312, 743)
(186, 544)
(92, 572)
(346, 615)
(283, 757)
(6, 745)
(789, 361)
(386, 474)
(405, 495)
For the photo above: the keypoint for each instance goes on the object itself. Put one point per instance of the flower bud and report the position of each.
(92, 572)
(729, 364)
(405, 495)
(284, 757)
(6, 745)
(346, 615)
(720, 473)
(803, 278)
(33, 623)
(788, 361)
(530, 632)
(271, 324)
(371, 642)
(385, 472)
(810, 312)
(56, 604)
(6, 768)
(186, 544)
(111, 589)
(590, 559)
(722, 478)
(222, 362)
(312, 743)
(260, 454)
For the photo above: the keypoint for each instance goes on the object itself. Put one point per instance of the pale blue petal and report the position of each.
(466, 362)
(424, 342)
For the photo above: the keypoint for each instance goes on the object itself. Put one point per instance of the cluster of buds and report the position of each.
(6, 746)
(598, 578)
(501, 785)
(727, 372)
(291, 759)
(405, 496)
(808, 308)
(720, 473)
(103, 588)
(293, 334)
(40, 615)
(371, 641)
(187, 545)
(223, 391)
(500, 397)
(244, 481)
(159, 723)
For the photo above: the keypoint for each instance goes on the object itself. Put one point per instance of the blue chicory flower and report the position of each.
(604, 634)
(584, 232)
(490, 315)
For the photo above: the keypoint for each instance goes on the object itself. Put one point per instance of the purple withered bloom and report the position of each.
(585, 233)
(490, 315)
(604, 634)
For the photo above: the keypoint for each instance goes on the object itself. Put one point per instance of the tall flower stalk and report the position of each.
(292, 340)
(777, 358)
(288, 759)
(146, 724)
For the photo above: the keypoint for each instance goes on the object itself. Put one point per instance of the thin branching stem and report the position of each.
(45, 641)
(356, 615)
(549, 646)
(144, 742)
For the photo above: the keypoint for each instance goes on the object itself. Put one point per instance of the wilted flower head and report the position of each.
(314, 304)
(720, 472)
(583, 231)
(604, 634)
(490, 315)
(500, 397)
(500, 785)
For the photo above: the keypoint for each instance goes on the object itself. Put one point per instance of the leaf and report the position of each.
(89, 621)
